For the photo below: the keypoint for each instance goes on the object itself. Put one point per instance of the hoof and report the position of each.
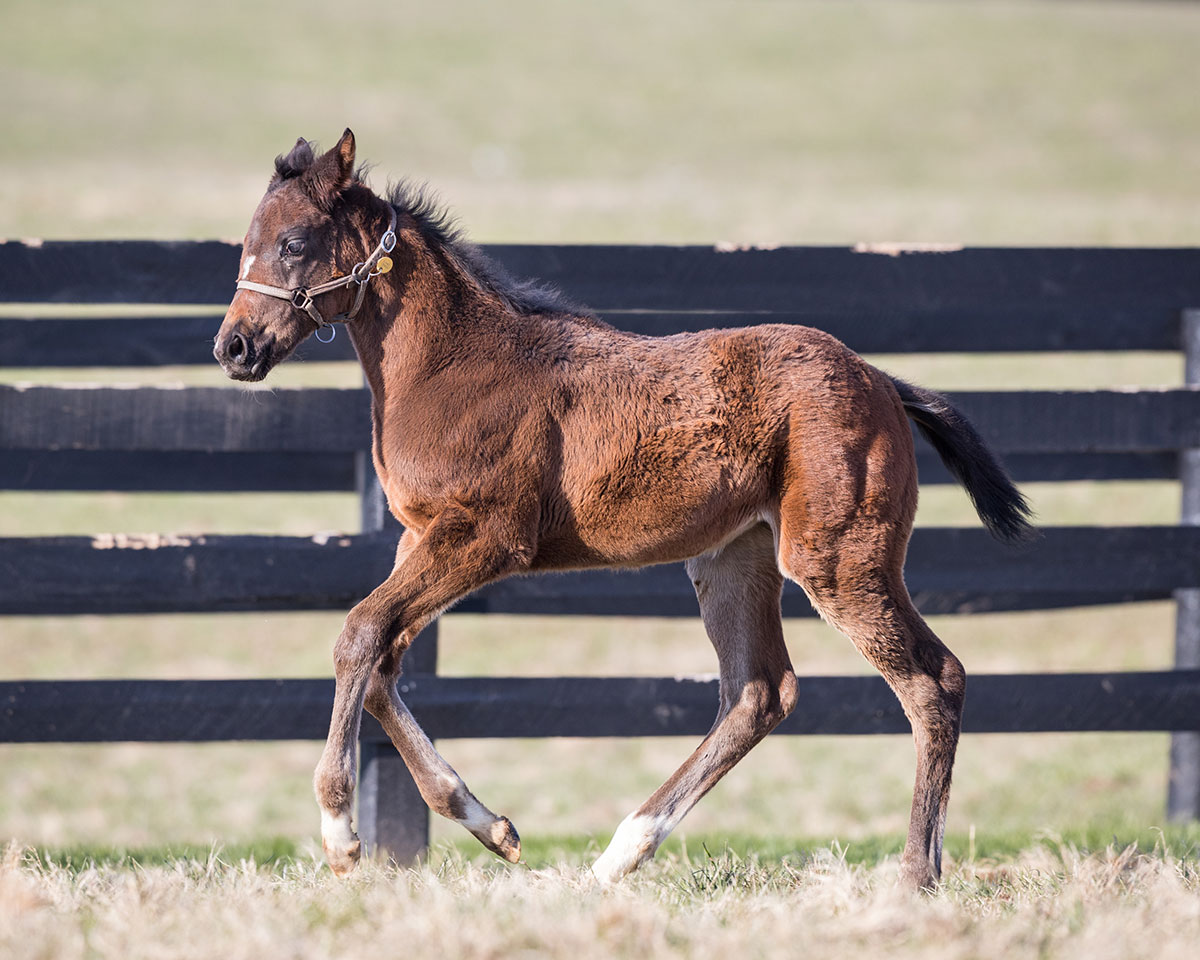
(503, 840)
(343, 860)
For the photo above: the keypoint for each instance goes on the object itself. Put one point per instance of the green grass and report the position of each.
(1006, 122)
(541, 852)
(871, 850)
(272, 853)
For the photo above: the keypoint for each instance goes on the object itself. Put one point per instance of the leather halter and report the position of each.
(302, 297)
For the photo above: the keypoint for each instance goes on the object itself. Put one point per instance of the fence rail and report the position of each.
(92, 711)
(877, 300)
(949, 570)
(316, 420)
(980, 299)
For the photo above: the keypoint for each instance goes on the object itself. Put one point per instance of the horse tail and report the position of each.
(1000, 505)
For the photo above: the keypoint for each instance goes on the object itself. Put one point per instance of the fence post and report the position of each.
(393, 820)
(1183, 790)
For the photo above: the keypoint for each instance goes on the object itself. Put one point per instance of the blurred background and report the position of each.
(1034, 123)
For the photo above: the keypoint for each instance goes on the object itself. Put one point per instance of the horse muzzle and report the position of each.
(241, 357)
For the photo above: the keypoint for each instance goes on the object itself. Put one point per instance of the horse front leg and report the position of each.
(440, 786)
(457, 553)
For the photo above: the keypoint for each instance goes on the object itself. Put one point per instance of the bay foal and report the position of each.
(514, 433)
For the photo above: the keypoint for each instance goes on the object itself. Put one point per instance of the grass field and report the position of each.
(1026, 122)
(824, 122)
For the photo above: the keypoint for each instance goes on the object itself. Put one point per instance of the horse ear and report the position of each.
(295, 162)
(345, 149)
(333, 172)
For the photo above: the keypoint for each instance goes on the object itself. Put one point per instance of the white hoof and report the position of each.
(632, 845)
(342, 846)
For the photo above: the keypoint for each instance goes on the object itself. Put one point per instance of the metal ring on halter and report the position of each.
(360, 274)
(332, 333)
(389, 241)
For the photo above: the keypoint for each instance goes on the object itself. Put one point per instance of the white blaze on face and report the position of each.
(246, 265)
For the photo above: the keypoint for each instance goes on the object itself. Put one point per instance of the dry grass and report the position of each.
(1048, 902)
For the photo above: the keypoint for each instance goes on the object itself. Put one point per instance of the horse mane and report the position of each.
(441, 230)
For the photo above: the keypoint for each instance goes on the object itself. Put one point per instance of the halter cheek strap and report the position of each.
(302, 298)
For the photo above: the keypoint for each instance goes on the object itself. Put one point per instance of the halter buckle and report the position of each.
(300, 299)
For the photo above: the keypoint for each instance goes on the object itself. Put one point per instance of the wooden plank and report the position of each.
(1086, 421)
(158, 341)
(1062, 467)
(179, 470)
(974, 299)
(118, 271)
(980, 292)
(192, 418)
(150, 573)
(903, 327)
(89, 711)
(188, 471)
(130, 341)
(948, 570)
(1145, 421)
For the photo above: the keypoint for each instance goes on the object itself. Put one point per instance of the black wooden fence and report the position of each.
(980, 300)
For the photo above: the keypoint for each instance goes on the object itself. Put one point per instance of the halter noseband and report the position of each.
(302, 297)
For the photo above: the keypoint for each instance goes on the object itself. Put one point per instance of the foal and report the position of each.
(514, 433)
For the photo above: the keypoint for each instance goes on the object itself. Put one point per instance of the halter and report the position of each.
(302, 297)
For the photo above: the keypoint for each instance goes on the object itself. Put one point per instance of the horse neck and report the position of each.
(408, 330)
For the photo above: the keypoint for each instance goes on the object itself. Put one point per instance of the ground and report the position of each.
(1049, 902)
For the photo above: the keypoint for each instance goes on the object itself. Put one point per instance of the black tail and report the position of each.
(1000, 505)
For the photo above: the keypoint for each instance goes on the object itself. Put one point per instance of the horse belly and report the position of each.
(646, 511)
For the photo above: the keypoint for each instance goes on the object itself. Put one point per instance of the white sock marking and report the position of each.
(477, 817)
(634, 842)
(335, 830)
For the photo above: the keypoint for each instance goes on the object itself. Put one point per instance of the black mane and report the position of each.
(439, 228)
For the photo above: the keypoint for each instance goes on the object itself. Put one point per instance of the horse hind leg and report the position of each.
(738, 589)
(856, 584)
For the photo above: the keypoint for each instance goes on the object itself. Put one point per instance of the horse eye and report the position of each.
(294, 247)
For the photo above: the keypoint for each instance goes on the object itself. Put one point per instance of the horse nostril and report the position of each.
(237, 347)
